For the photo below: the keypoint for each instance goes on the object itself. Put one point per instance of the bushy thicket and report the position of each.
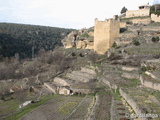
(57, 61)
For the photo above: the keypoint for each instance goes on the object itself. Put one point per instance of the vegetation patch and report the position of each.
(85, 35)
(81, 111)
(102, 110)
(21, 112)
(67, 107)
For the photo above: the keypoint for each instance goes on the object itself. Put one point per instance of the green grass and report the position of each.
(20, 113)
(85, 35)
(116, 94)
(100, 86)
(67, 107)
(8, 106)
(156, 94)
(132, 83)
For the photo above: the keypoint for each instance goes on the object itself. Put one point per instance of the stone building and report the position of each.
(64, 91)
(104, 34)
(144, 10)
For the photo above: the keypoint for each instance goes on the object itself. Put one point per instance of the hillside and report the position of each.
(20, 38)
(73, 82)
(118, 85)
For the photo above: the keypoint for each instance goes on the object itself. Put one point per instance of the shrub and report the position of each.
(124, 9)
(129, 22)
(136, 43)
(93, 57)
(157, 39)
(85, 35)
(114, 44)
(115, 57)
(153, 39)
(8, 71)
(81, 55)
(73, 54)
(156, 56)
(122, 30)
(143, 69)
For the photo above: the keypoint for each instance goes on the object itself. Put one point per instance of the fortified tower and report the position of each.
(104, 34)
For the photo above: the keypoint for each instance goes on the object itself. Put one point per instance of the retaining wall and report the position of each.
(132, 103)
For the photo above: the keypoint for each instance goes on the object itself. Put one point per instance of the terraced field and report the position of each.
(102, 110)
(58, 108)
(143, 100)
(81, 112)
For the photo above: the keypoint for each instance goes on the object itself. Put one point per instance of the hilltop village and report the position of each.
(107, 72)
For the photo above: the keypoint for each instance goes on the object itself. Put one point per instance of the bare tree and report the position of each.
(93, 57)
(21, 95)
(4, 89)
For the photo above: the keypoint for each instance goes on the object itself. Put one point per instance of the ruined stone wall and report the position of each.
(104, 34)
(144, 28)
(132, 103)
(141, 20)
(155, 18)
(123, 24)
(150, 84)
(137, 13)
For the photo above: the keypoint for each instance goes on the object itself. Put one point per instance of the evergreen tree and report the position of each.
(124, 9)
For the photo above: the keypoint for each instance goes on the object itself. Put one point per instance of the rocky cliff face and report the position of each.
(80, 39)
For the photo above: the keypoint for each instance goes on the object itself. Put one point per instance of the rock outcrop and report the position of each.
(82, 39)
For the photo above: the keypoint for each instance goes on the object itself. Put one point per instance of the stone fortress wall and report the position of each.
(137, 13)
(155, 18)
(144, 10)
(144, 21)
(104, 34)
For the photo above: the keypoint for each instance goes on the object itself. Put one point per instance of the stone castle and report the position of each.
(102, 36)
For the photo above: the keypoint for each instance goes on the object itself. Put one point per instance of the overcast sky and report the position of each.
(63, 13)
